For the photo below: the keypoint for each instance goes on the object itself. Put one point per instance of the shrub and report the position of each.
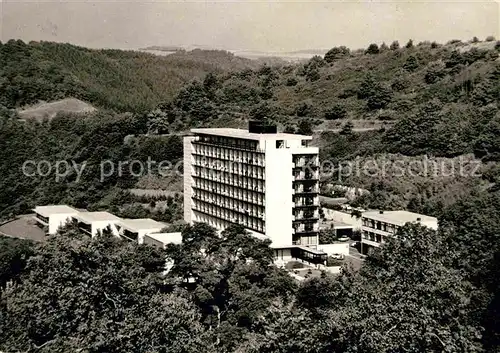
(411, 64)
(373, 49)
(336, 112)
(331, 262)
(337, 53)
(435, 72)
(313, 75)
(394, 45)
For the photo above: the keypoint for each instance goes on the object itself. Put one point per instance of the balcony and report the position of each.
(230, 146)
(306, 230)
(307, 176)
(306, 217)
(306, 190)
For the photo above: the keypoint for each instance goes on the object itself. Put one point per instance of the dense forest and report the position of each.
(424, 291)
(421, 292)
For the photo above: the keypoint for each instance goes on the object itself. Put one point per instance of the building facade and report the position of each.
(378, 226)
(268, 182)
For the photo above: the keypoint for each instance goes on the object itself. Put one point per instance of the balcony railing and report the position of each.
(228, 146)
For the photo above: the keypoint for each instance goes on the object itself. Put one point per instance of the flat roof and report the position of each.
(135, 225)
(166, 238)
(341, 225)
(398, 217)
(89, 217)
(49, 210)
(244, 134)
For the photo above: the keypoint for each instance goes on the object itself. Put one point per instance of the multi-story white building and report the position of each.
(266, 181)
(377, 226)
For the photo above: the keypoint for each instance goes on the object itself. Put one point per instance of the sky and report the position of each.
(272, 25)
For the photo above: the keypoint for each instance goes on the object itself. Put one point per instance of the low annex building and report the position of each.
(377, 226)
(136, 229)
(94, 223)
(54, 216)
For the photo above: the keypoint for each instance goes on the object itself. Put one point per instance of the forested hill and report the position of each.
(113, 79)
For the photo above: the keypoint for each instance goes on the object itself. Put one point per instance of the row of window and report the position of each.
(305, 200)
(305, 160)
(305, 228)
(228, 154)
(230, 167)
(373, 237)
(307, 240)
(217, 179)
(305, 175)
(231, 193)
(42, 218)
(383, 226)
(229, 142)
(225, 217)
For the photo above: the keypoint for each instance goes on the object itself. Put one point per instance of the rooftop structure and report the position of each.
(377, 226)
(245, 134)
(50, 210)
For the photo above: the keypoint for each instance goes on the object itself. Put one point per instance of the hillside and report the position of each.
(112, 79)
(49, 110)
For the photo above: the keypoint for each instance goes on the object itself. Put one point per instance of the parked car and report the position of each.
(338, 256)
(355, 244)
(344, 239)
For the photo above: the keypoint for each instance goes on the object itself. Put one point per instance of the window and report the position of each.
(280, 144)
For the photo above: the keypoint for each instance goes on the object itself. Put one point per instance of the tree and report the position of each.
(292, 81)
(394, 45)
(305, 109)
(435, 71)
(490, 39)
(475, 39)
(411, 64)
(372, 49)
(337, 111)
(231, 280)
(98, 295)
(380, 98)
(336, 53)
(14, 253)
(313, 75)
(367, 87)
(347, 128)
(409, 45)
(305, 127)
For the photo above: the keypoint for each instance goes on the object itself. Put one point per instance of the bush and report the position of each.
(336, 112)
(490, 39)
(292, 81)
(331, 262)
(411, 64)
(305, 127)
(373, 49)
(337, 53)
(394, 45)
(435, 72)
